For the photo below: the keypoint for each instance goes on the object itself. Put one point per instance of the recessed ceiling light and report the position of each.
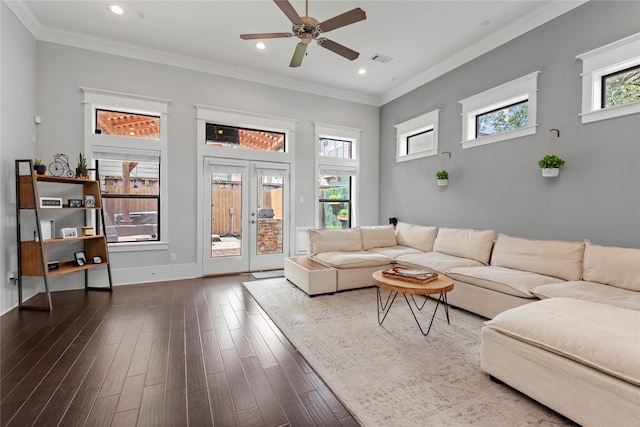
(116, 9)
(261, 46)
(362, 71)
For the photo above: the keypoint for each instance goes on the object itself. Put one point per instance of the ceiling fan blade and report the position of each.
(288, 10)
(298, 55)
(346, 18)
(264, 36)
(338, 48)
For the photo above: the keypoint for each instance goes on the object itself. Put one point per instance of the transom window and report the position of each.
(611, 80)
(121, 123)
(417, 137)
(253, 139)
(336, 148)
(503, 119)
(621, 87)
(504, 112)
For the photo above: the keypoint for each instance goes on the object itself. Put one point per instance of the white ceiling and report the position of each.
(424, 38)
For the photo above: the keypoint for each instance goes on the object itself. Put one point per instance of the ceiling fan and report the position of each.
(307, 29)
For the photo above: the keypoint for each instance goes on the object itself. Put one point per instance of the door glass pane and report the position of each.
(226, 211)
(269, 215)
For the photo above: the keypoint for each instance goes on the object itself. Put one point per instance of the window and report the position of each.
(418, 137)
(337, 172)
(611, 80)
(127, 124)
(336, 148)
(505, 112)
(335, 200)
(501, 120)
(231, 136)
(131, 196)
(621, 87)
(127, 135)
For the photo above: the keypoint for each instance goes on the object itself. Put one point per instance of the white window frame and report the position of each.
(608, 59)
(338, 165)
(518, 90)
(96, 99)
(409, 128)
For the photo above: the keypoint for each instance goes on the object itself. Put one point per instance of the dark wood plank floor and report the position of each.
(186, 353)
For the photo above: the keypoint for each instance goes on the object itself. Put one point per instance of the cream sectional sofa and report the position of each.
(578, 350)
(565, 316)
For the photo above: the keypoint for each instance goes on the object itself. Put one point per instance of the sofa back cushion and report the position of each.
(619, 267)
(379, 236)
(347, 239)
(549, 257)
(471, 244)
(416, 236)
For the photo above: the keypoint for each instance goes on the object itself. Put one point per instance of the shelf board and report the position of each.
(72, 239)
(49, 178)
(70, 267)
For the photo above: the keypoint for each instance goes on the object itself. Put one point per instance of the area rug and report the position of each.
(391, 375)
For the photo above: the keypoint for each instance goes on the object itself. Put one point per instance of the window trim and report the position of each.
(599, 62)
(93, 142)
(512, 92)
(349, 166)
(412, 127)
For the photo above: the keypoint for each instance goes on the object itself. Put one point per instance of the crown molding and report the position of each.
(523, 25)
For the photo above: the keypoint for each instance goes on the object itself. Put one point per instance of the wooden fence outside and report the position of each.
(223, 199)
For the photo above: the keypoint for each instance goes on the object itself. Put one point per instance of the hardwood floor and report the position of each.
(186, 353)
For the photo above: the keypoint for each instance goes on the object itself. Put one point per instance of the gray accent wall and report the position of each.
(499, 186)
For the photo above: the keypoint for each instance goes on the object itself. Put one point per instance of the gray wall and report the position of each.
(17, 137)
(55, 73)
(499, 186)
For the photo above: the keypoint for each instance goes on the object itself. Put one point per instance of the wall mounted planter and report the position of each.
(442, 182)
(550, 172)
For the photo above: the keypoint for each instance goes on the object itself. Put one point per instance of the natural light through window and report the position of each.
(418, 137)
(501, 113)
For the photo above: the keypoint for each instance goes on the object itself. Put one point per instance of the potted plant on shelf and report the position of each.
(442, 177)
(551, 165)
(39, 167)
(343, 215)
(81, 169)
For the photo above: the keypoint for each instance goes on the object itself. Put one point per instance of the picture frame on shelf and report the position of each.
(97, 260)
(75, 203)
(81, 258)
(69, 232)
(89, 201)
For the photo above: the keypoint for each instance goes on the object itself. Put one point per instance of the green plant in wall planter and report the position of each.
(343, 215)
(551, 165)
(442, 177)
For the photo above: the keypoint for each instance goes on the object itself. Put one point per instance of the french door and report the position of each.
(246, 206)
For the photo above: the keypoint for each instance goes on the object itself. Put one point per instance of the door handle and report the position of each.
(253, 221)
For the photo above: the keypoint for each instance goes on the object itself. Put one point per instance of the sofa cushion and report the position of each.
(416, 236)
(601, 336)
(379, 236)
(394, 252)
(549, 257)
(590, 291)
(347, 239)
(435, 261)
(618, 267)
(353, 259)
(472, 244)
(506, 280)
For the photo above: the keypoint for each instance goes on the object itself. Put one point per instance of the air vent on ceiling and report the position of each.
(381, 58)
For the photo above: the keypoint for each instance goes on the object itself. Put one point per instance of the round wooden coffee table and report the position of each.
(441, 285)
